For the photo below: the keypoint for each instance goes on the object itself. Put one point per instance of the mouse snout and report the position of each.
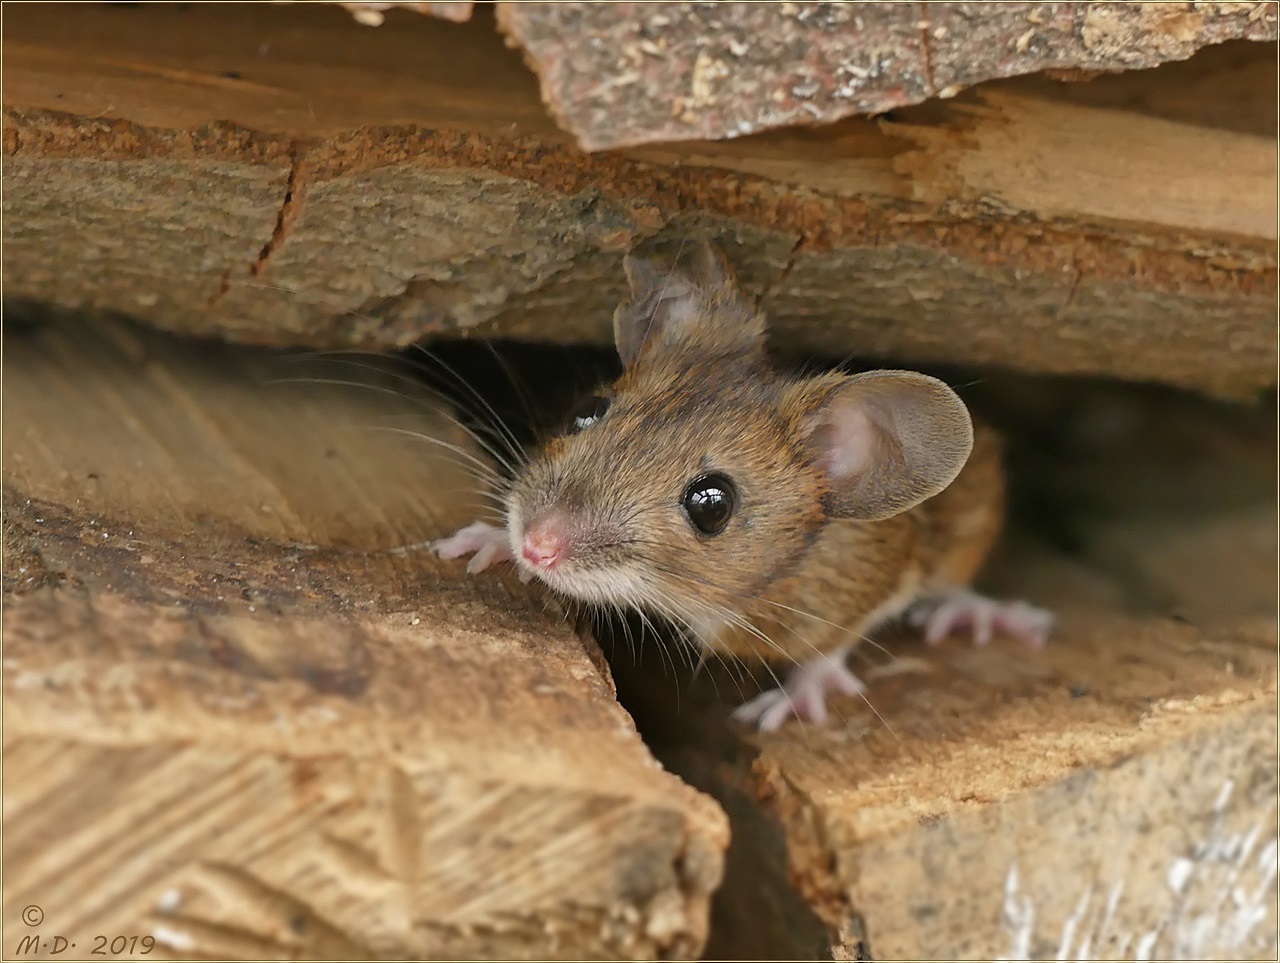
(544, 542)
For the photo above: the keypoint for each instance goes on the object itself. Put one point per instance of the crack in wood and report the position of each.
(293, 194)
(769, 292)
(285, 216)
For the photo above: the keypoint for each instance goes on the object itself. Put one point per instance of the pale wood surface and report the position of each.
(282, 174)
(237, 719)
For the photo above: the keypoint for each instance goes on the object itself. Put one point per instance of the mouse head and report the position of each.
(703, 475)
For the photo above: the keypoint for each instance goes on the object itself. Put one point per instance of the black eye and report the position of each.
(588, 413)
(709, 502)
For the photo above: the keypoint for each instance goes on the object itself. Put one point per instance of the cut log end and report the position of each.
(235, 688)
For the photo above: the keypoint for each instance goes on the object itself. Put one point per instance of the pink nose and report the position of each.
(542, 548)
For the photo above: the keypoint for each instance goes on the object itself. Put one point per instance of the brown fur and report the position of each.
(855, 568)
(624, 479)
(698, 396)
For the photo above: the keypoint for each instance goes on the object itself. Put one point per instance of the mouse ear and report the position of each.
(888, 440)
(693, 300)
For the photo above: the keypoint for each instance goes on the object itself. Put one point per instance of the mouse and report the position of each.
(770, 514)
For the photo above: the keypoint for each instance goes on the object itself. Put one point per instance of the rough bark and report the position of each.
(1120, 228)
(624, 74)
(241, 717)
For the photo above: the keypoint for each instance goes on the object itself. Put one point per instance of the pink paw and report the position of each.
(804, 695)
(489, 543)
(963, 609)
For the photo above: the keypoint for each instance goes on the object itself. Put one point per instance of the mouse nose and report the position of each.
(543, 545)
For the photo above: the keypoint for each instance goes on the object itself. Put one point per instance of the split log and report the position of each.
(623, 75)
(1098, 801)
(620, 75)
(245, 719)
(283, 175)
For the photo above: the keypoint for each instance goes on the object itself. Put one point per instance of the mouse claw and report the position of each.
(941, 616)
(489, 544)
(803, 695)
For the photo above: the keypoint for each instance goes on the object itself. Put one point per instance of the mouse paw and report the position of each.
(963, 609)
(804, 695)
(489, 543)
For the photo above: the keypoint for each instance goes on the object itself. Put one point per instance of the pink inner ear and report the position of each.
(851, 440)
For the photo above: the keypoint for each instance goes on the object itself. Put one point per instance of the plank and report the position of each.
(283, 175)
(244, 717)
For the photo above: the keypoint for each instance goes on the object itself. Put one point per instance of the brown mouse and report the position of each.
(771, 515)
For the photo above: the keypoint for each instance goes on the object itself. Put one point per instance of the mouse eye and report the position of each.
(588, 413)
(709, 502)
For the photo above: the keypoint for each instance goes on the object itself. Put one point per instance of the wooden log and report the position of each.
(1083, 803)
(1110, 797)
(624, 75)
(244, 719)
(330, 185)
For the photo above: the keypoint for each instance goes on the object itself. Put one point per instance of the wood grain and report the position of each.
(284, 175)
(244, 715)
